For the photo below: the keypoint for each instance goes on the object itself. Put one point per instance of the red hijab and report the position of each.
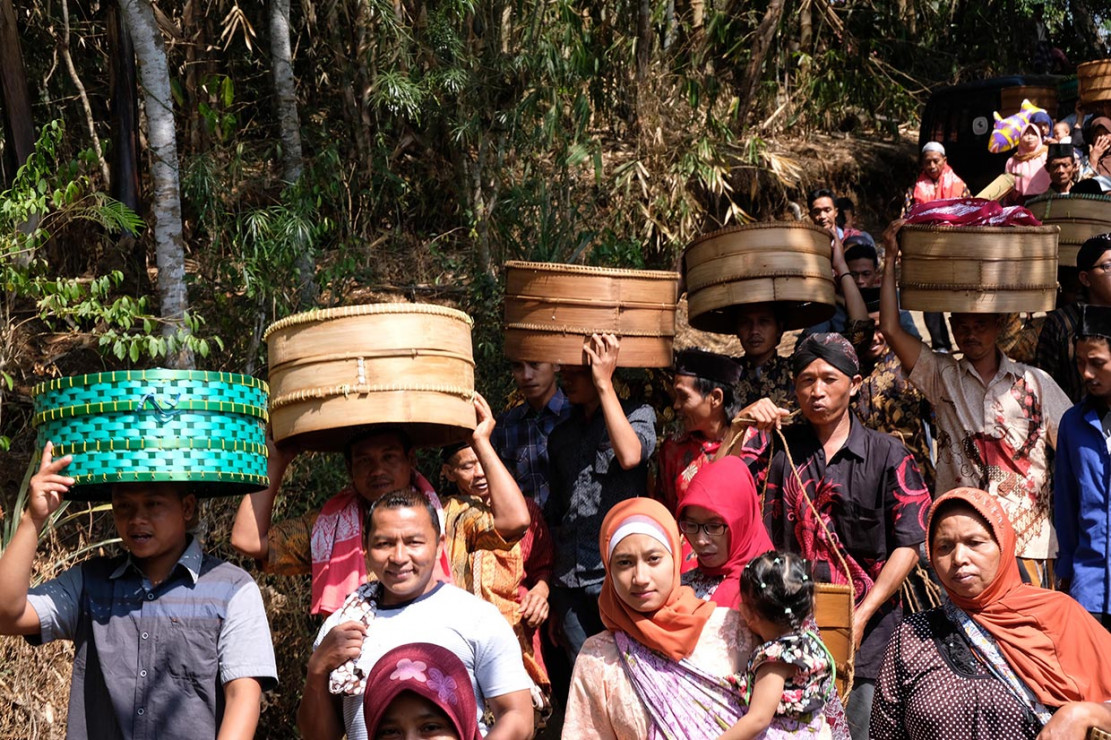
(726, 487)
(1050, 641)
(674, 628)
(429, 671)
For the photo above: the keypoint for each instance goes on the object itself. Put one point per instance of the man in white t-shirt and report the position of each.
(405, 604)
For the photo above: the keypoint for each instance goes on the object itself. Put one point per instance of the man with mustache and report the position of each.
(865, 486)
(328, 543)
(997, 419)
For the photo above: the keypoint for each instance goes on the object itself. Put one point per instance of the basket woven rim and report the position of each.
(1091, 64)
(143, 444)
(945, 228)
(592, 270)
(1069, 196)
(135, 407)
(168, 476)
(160, 373)
(366, 309)
(740, 228)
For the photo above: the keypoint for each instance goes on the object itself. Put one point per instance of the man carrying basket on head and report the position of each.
(328, 543)
(862, 502)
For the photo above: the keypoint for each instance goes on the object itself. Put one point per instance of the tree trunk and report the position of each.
(123, 109)
(82, 95)
(763, 37)
(166, 200)
(644, 38)
(19, 124)
(281, 55)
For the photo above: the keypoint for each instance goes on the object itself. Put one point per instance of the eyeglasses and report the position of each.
(1102, 267)
(712, 529)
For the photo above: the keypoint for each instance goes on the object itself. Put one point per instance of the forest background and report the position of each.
(177, 175)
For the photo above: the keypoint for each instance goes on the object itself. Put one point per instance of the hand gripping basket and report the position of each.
(338, 370)
(141, 426)
(978, 269)
(785, 263)
(551, 308)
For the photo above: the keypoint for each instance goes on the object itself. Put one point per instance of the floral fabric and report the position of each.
(775, 380)
(680, 458)
(808, 689)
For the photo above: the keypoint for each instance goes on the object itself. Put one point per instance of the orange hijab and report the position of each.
(675, 627)
(1048, 639)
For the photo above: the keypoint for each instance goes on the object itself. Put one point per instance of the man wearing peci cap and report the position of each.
(1056, 346)
(705, 404)
(865, 486)
(1063, 167)
(1082, 498)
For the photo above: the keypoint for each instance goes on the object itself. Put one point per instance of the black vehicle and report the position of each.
(960, 117)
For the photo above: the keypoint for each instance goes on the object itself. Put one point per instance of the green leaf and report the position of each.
(134, 353)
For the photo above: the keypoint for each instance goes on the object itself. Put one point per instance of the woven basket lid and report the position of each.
(206, 429)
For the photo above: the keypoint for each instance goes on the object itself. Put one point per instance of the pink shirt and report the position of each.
(1031, 177)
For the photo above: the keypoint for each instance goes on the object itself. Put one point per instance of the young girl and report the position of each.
(790, 676)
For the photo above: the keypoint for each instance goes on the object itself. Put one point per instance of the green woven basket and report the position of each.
(142, 426)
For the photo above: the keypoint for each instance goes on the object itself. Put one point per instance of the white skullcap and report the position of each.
(639, 524)
(934, 146)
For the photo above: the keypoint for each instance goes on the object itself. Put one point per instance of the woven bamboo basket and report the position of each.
(980, 269)
(787, 263)
(833, 611)
(1010, 99)
(550, 309)
(1080, 217)
(1094, 81)
(338, 370)
(144, 426)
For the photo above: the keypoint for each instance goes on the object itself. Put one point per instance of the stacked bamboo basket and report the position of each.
(1094, 82)
(783, 263)
(1010, 99)
(550, 310)
(336, 371)
(981, 269)
(1079, 216)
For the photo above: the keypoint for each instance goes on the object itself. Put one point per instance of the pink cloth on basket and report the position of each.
(970, 212)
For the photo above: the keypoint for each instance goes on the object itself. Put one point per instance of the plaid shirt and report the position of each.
(521, 440)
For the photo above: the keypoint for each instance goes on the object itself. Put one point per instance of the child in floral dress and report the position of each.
(790, 676)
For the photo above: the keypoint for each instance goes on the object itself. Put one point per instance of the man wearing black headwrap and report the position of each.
(866, 486)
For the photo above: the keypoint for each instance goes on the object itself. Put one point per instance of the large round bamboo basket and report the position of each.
(1010, 99)
(1080, 217)
(1094, 81)
(787, 263)
(979, 269)
(550, 309)
(335, 371)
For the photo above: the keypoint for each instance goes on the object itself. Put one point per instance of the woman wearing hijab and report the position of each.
(1027, 164)
(1001, 658)
(936, 179)
(420, 690)
(719, 514)
(658, 671)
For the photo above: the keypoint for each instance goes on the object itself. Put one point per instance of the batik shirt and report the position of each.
(775, 380)
(680, 458)
(871, 497)
(521, 440)
(889, 403)
(996, 435)
(1056, 353)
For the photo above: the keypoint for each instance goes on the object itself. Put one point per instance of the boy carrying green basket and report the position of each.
(169, 642)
